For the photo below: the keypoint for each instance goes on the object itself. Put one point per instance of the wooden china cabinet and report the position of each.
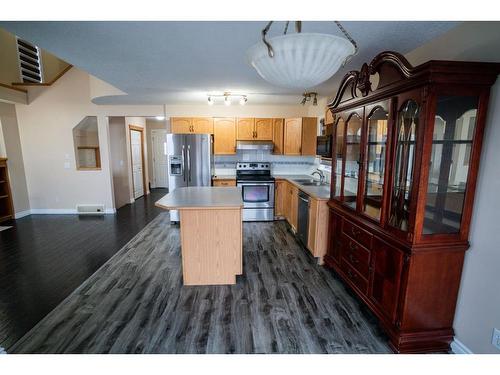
(405, 161)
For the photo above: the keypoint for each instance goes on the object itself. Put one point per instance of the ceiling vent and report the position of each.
(30, 65)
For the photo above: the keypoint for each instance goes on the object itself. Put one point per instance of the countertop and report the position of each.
(205, 197)
(319, 192)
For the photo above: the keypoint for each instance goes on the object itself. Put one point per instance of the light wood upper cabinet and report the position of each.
(245, 129)
(203, 125)
(328, 117)
(224, 136)
(278, 125)
(181, 125)
(292, 138)
(300, 136)
(309, 135)
(264, 129)
(191, 125)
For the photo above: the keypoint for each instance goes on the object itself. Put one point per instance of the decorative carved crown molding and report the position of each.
(356, 83)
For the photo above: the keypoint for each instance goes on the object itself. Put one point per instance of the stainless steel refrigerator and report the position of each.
(190, 162)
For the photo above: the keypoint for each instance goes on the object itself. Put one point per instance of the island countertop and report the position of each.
(202, 197)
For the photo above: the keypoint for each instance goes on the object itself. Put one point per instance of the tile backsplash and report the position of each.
(281, 164)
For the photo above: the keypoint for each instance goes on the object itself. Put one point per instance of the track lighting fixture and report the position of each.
(308, 96)
(226, 97)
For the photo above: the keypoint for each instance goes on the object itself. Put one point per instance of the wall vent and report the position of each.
(30, 65)
(90, 209)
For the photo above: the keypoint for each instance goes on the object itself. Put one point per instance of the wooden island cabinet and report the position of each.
(404, 168)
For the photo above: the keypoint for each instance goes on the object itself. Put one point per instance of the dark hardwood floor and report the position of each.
(136, 303)
(44, 258)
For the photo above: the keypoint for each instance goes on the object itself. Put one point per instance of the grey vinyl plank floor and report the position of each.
(136, 303)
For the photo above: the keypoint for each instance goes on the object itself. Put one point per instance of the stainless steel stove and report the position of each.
(257, 189)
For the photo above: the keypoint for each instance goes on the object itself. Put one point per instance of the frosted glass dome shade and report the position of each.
(301, 60)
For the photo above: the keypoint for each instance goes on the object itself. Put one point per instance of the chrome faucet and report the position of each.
(321, 175)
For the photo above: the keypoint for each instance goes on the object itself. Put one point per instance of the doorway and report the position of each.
(159, 153)
(137, 160)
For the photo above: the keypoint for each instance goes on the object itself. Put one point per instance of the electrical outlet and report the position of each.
(495, 341)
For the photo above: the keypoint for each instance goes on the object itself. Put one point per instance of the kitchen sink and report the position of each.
(310, 182)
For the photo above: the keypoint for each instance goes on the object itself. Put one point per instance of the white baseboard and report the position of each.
(21, 214)
(458, 347)
(63, 211)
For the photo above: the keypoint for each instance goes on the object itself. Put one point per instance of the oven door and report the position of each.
(257, 194)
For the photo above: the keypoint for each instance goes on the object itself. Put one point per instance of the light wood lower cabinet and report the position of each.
(317, 241)
(224, 136)
(279, 195)
(224, 182)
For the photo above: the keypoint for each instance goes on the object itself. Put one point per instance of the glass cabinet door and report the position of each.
(454, 127)
(406, 135)
(339, 157)
(352, 160)
(375, 157)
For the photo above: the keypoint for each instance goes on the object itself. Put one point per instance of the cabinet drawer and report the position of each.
(224, 183)
(355, 232)
(356, 255)
(354, 276)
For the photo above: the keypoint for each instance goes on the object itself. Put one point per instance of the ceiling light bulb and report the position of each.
(210, 101)
(160, 118)
(227, 101)
(243, 100)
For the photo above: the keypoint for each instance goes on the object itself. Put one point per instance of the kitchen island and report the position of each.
(211, 233)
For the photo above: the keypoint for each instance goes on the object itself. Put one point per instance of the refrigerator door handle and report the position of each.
(189, 162)
(183, 164)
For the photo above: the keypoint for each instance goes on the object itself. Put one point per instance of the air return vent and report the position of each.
(30, 65)
(90, 209)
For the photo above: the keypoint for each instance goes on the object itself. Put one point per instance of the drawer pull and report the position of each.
(351, 275)
(355, 232)
(352, 246)
(353, 259)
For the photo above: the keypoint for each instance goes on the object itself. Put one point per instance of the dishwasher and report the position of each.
(303, 218)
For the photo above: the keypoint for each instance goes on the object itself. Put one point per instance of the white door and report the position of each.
(136, 148)
(160, 158)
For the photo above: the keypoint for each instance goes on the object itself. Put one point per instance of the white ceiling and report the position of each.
(180, 62)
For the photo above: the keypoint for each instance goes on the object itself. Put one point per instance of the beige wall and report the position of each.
(47, 144)
(9, 68)
(478, 309)
(11, 148)
(119, 161)
(152, 125)
(52, 66)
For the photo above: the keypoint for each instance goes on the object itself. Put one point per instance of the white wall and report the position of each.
(45, 127)
(478, 308)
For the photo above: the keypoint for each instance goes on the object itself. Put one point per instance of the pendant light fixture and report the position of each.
(300, 60)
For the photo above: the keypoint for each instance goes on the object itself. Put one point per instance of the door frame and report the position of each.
(144, 187)
(153, 153)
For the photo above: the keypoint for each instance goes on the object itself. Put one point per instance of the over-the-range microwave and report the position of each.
(324, 146)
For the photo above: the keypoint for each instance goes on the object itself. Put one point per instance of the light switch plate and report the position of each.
(67, 165)
(495, 340)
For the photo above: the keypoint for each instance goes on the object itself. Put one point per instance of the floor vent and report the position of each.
(30, 64)
(90, 209)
